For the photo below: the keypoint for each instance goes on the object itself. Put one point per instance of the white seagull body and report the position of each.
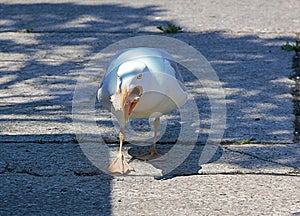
(141, 83)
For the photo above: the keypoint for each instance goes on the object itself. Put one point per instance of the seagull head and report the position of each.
(130, 87)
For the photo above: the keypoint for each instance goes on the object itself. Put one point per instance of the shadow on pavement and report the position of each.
(38, 72)
(190, 165)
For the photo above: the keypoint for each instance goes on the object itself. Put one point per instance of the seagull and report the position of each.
(141, 83)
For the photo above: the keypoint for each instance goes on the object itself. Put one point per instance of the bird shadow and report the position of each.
(187, 162)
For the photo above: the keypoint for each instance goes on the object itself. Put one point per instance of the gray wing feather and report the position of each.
(99, 94)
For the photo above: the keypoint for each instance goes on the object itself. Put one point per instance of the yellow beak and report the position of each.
(127, 103)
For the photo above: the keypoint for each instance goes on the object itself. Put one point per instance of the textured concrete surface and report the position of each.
(252, 69)
(45, 46)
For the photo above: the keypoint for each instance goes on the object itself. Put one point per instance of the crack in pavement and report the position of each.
(297, 169)
(6, 167)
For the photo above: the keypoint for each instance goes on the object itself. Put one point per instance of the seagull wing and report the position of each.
(99, 92)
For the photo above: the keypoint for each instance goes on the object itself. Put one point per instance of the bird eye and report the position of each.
(139, 76)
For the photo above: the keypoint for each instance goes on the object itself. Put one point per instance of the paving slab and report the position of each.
(137, 16)
(44, 48)
(192, 195)
(39, 86)
(59, 179)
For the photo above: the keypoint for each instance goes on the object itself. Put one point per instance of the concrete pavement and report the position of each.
(45, 46)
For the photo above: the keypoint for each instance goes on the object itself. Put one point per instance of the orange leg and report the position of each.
(152, 155)
(119, 165)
